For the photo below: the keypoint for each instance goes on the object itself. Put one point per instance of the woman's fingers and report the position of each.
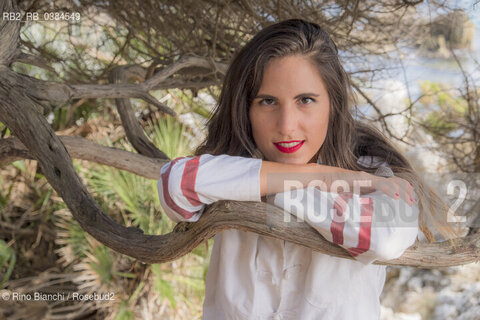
(397, 188)
(365, 183)
(388, 186)
(408, 191)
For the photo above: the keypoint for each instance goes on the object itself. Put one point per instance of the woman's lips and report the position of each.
(289, 146)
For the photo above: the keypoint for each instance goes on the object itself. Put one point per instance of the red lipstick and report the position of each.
(295, 145)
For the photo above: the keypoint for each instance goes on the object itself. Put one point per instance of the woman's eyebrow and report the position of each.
(309, 94)
(267, 96)
(264, 96)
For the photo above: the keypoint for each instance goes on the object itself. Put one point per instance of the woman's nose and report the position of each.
(287, 119)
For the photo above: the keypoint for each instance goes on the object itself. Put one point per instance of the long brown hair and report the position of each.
(230, 132)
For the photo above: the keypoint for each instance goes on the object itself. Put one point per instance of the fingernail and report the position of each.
(411, 199)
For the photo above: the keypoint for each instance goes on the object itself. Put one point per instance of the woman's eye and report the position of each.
(306, 100)
(267, 102)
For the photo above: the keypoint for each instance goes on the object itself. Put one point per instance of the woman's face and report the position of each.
(289, 115)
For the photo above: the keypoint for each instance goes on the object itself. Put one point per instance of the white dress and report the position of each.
(257, 277)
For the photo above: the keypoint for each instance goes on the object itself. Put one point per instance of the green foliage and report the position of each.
(438, 125)
(102, 263)
(134, 201)
(4, 131)
(163, 287)
(5, 194)
(124, 313)
(20, 165)
(77, 238)
(66, 116)
(70, 237)
(445, 111)
(7, 262)
(135, 196)
(169, 135)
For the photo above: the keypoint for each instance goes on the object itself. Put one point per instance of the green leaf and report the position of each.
(104, 265)
(164, 288)
(7, 260)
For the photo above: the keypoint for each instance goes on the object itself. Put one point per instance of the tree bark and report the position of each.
(11, 149)
(132, 127)
(261, 218)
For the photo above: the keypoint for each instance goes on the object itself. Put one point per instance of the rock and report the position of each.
(472, 314)
(453, 30)
(436, 294)
(388, 314)
(445, 312)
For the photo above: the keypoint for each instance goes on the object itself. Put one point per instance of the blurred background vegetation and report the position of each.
(387, 48)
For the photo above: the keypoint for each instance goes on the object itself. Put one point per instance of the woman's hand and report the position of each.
(364, 183)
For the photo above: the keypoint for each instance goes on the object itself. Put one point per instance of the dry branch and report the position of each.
(261, 218)
(184, 63)
(132, 127)
(11, 149)
(60, 93)
(9, 35)
(33, 60)
(122, 74)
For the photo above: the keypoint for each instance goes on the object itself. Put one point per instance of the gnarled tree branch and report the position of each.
(261, 218)
(11, 149)
(132, 127)
(183, 64)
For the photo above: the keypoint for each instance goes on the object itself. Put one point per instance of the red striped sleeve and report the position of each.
(188, 181)
(338, 221)
(364, 235)
(166, 195)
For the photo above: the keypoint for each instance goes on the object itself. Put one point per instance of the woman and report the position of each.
(283, 110)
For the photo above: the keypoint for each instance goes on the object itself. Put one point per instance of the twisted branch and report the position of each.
(11, 149)
(255, 217)
(132, 127)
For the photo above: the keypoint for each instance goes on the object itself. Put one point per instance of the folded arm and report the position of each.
(188, 184)
(370, 227)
